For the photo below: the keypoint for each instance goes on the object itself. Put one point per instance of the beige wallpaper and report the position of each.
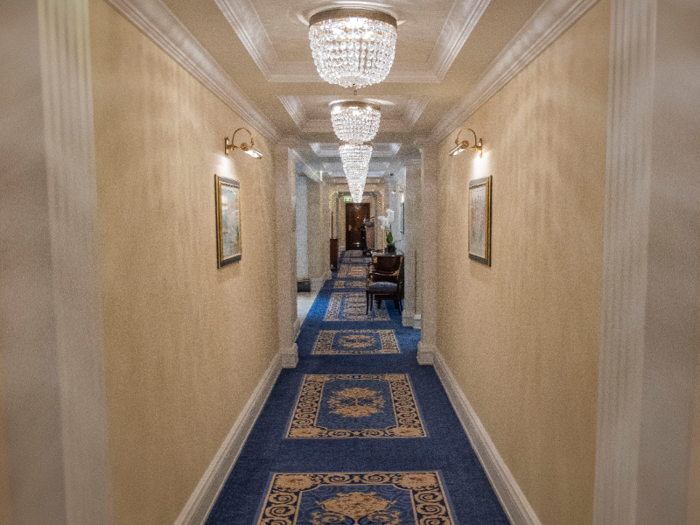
(522, 337)
(185, 343)
(694, 470)
(5, 495)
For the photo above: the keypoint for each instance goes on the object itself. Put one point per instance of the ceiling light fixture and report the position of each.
(355, 122)
(461, 146)
(246, 148)
(355, 158)
(353, 47)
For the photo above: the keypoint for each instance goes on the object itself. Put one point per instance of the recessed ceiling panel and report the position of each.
(276, 37)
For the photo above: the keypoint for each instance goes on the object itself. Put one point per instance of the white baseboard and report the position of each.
(318, 282)
(426, 353)
(407, 319)
(416, 321)
(289, 357)
(512, 498)
(297, 328)
(202, 499)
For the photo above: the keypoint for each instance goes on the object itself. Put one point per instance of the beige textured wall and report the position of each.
(185, 343)
(694, 472)
(5, 494)
(522, 337)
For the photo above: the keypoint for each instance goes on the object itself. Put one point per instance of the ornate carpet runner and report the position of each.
(358, 433)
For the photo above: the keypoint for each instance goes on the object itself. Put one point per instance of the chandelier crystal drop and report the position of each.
(355, 155)
(355, 122)
(355, 158)
(353, 47)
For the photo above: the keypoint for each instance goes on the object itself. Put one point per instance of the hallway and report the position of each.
(357, 403)
(170, 170)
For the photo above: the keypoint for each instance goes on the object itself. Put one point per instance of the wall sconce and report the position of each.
(461, 146)
(246, 148)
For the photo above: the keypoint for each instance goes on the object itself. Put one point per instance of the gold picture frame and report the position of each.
(479, 234)
(228, 221)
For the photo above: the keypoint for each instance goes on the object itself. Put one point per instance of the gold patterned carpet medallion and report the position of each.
(355, 342)
(386, 498)
(355, 406)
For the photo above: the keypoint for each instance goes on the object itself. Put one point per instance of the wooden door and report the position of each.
(355, 215)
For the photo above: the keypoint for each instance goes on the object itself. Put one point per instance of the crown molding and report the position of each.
(459, 24)
(245, 21)
(547, 24)
(155, 20)
(305, 166)
(295, 108)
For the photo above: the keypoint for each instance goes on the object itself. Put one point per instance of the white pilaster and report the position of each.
(286, 252)
(411, 241)
(51, 348)
(427, 252)
(651, 289)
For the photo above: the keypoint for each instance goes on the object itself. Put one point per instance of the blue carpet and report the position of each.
(344, 467)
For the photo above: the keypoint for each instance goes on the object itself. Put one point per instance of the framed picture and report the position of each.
(228, 221)
(480, 220)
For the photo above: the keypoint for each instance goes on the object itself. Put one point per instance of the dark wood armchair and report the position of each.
(384, 281)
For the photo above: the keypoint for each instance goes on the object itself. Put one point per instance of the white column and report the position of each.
(412, 244)
(427, 252)
(302, 227)
(651, 283)
(285, 197)
(53, 400)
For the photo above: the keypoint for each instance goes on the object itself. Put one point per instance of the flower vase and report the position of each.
(391, 248)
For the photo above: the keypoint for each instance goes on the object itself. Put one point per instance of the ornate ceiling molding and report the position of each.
(544, 27)
(244, 20)
(155, 20)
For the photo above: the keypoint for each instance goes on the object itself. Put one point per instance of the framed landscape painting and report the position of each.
(480, 220)
(228, 221)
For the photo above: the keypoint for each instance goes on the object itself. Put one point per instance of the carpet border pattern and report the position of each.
(325, 339)
(308, 405)
(335, 307)
(428, 497)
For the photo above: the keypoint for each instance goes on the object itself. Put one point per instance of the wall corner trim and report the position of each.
(544, 27)
(289, 357)
(417, 321)
(202, 500)
(155, 20)
(511, 497)
(296, 330)
(426, 353)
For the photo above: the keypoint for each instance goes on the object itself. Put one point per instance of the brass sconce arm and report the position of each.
(230, 145)
(463, 145)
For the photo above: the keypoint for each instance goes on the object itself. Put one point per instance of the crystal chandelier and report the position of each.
(355, 122)
(353, 47)
(355, 158)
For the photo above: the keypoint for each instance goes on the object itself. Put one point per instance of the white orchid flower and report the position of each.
(390, 215)
(384, 222)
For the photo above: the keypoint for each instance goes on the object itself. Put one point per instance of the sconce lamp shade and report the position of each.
(463, 145)
(230, 145)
